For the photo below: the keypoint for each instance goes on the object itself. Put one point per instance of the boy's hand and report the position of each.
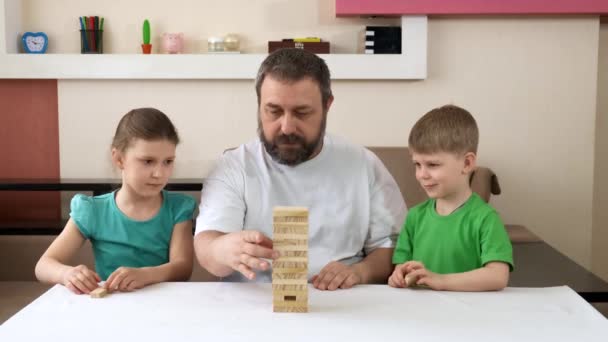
(80, 279)
(126, 279)
(417, 274)
(414, 273)
(397, 278)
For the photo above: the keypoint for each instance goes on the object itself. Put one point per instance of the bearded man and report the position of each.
(355, 206)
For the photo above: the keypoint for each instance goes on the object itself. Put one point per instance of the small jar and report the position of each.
(231, 42)
(215, 44)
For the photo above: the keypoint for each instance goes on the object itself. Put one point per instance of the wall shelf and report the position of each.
(411, 64)
(187, 66)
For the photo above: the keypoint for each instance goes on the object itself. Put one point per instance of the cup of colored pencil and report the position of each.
(91, 34)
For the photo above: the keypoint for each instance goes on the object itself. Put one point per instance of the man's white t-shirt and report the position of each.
(354, 204)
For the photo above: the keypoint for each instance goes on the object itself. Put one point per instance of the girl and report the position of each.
(141, 234)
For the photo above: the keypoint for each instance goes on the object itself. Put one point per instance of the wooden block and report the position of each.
(284, 296)
(287, 247)
(291, 228)
(294, 258)
(99, 292)
(288, 287)
(291, 273)
(294, 244)
(410, 280)
(281, 308)
(289, 213)
(289, 281)
(289, 264)
(290, 270)
(292, 236)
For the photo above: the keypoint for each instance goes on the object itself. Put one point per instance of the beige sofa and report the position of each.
(483, 181)
(19, 253)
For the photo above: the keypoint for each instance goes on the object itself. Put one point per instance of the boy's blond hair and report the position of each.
(445, 129)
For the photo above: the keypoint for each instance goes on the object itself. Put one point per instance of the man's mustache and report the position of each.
(289, 139)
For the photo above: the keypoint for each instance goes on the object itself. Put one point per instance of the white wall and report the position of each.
(255, 21)
(600, 188)
(531, 82)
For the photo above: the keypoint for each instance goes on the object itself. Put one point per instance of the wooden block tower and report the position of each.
(290, 270)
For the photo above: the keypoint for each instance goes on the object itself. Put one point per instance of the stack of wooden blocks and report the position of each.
(290, 270)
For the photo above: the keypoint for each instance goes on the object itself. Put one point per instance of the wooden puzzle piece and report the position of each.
(99, 292)
(410, 280)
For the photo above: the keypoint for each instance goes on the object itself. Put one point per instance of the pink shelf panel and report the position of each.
(408, 7)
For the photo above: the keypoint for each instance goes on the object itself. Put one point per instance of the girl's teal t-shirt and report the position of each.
(120, 241)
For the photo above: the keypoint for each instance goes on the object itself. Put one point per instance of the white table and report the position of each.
(237, 312)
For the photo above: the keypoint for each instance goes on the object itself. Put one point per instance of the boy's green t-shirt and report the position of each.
(467, 239)
(118, 240)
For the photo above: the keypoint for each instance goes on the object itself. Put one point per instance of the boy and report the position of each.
(454, 241)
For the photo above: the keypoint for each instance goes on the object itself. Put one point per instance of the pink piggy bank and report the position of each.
(173, 42)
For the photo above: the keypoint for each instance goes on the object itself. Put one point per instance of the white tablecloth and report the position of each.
(238, 312)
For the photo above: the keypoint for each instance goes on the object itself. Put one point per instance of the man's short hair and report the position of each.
(445, 129)
(292, 65)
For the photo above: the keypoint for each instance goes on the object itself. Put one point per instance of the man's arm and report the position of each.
(223, 253)
(376, 267)
(387, 213)
(220, 243)
(207, 256)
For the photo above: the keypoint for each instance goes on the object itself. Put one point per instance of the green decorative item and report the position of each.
(146, 47)
(146, 32)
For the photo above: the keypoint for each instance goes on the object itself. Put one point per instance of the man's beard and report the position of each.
(296, 154)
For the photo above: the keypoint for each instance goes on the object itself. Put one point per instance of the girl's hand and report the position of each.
(80, 279)
(127, 279)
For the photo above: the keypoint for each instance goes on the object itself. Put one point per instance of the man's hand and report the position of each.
(336, 275)
(243, 251)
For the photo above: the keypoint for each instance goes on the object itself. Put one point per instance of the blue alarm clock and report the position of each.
(35, 42)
